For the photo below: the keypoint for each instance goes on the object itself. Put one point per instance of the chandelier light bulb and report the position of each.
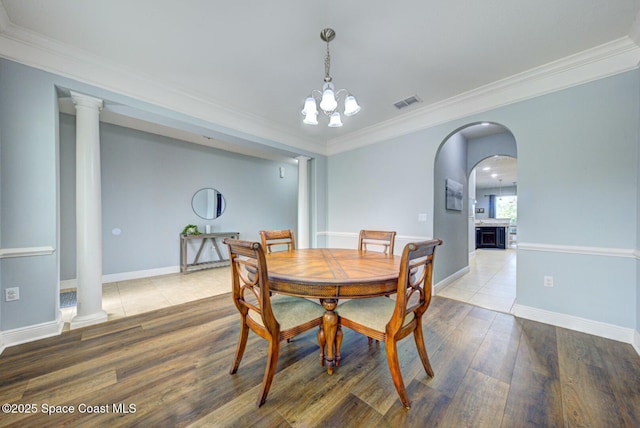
(334, 120)
(311, 117)
(351, 106)
(309, 106)
(328, 102)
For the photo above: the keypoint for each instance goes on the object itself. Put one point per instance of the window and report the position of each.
(507, 207)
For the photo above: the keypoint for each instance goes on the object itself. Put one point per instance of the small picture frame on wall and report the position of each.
(454, 191)
(479, 210)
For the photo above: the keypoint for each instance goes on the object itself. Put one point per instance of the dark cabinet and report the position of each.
(491, 237)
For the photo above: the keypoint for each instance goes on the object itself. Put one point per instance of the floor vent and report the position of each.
(407, 102)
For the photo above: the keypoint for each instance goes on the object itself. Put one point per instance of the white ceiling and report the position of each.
(248, 65)
(497, 171)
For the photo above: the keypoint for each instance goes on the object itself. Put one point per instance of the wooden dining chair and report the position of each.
(391, 320)
(277, 238)
(274, 318)
(377, 238)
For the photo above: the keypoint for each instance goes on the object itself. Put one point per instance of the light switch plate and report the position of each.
(11, 294)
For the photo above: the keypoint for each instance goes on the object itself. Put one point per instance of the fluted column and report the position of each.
(88, 212)
(302, 240)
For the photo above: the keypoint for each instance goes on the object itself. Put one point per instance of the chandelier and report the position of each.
(328, 97)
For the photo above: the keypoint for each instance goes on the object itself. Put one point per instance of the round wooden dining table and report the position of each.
(330, 274)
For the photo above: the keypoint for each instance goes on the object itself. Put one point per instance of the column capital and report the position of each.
(82, 100)
(303, 158)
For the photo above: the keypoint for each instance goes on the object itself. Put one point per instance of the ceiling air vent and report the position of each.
(407, 102)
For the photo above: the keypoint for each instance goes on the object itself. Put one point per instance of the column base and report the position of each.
(84, 320)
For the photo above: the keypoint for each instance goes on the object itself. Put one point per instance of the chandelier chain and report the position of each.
(327, 65)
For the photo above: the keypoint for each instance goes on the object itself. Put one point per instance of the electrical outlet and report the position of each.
(548, 281)
(11, 294)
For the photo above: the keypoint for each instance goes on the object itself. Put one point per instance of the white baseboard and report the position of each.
(596, 328)
(71, 284)
(32, 332)
(126, 276)
(451, 279)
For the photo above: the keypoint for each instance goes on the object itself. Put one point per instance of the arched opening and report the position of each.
(481, 159)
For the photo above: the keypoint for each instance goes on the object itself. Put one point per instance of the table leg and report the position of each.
(330, 329)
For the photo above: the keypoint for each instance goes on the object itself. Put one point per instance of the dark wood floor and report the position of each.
(170, 368)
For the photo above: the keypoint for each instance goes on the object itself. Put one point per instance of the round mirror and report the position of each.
(208, 204)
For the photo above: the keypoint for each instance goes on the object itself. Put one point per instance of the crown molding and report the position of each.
(29, 48)
(602, 61)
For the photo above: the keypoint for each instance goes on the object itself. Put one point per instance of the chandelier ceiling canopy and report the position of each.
(328, 98)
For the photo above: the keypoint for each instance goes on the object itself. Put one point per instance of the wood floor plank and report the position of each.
(535, 398)
(377, 388)
(497, 354)
(349, 412)
(428, 407)
(587, 400)
(173, 365)
(454, 355)
(479, 402)
(622, 369)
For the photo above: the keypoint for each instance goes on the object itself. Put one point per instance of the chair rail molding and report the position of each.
(26, 251)
(631, 253)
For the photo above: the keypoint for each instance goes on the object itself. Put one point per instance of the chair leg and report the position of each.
(396, 375)
(242, 343)
(422, 351)
(270, 370)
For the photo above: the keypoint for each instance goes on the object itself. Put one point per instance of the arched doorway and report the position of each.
(482, 277)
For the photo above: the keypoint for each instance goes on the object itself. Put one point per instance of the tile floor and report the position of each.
(490, 283)
(126, 298)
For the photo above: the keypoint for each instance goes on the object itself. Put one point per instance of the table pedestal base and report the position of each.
(330, 336)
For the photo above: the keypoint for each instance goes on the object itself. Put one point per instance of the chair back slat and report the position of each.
(277, 238)
(385, 239)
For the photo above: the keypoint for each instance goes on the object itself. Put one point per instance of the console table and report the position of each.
(185, 266)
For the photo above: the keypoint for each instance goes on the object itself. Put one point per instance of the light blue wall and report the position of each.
(577, 174)
(318, 201)
(451, 225)
(638, 230)
(28, 204)
(154, 175)
(384, 186)
(147, 185)
(577, 188)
